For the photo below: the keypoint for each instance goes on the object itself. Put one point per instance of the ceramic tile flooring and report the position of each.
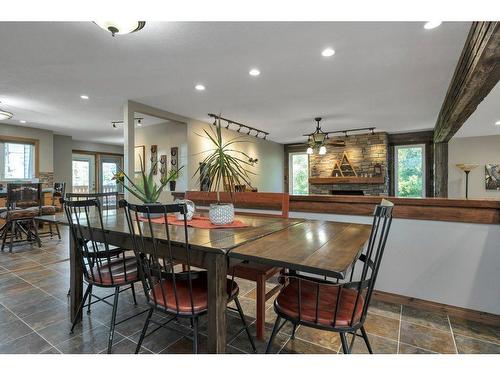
(34, 319)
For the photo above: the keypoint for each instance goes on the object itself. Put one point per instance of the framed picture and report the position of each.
(139, 150)
(492, 176)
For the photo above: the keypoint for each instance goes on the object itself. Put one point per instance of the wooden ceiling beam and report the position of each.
(477, 72)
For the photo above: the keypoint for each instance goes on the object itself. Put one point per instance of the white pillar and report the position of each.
(129, 142)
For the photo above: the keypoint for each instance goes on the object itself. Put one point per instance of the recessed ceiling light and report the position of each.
(199, 87)
(432, 25)
(327, 52)
(497, 123)
(22, 121)
(254, 72)
(84, 97)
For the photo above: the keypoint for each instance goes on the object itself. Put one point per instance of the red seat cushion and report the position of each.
(166, 298)
(287, 303)
(121, 272)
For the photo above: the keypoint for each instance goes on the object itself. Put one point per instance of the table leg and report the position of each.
(261, 307)
(217, 302)
(76, 279)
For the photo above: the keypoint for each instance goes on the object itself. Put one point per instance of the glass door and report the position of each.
(83, 173)
(108, 166)
(298, 172)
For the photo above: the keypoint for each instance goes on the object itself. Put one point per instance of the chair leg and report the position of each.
(50, 230)
(273, 335)
(80, 308)
(57, 231)
(133, 293)
(261, 308)
(242, 316)
(4, 234)
(37, 237)
(144, 330)
(113, 319)
(195, 335)
(293, 331)
(367, 342)
(12, 230)
(345, 348)
(90, 299)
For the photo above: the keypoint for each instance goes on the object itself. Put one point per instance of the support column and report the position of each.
(441, 169)
(129, 142)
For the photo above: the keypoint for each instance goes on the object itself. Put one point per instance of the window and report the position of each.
(17, 161)
(298, 166)
(409, 163)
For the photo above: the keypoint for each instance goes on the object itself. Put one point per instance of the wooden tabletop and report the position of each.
(319, 247)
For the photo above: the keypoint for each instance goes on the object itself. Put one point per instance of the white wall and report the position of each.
(475, 150)
(63, 150)
(45, 138)
(268, 171)
(452, 263)
(165, 135)
(97, 147)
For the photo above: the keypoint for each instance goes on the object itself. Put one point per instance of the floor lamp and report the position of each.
(467, 168)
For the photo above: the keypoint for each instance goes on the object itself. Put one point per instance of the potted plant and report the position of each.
(226, 169)
(145, 188)
(172, 175)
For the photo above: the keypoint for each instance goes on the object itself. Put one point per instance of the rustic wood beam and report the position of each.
(441, 169)
(477, 72)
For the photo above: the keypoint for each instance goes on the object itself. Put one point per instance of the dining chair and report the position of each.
(107, 201)
(24, 202)
(55, 206)
(252, 271)
(176, 293)
(331, 306)
(102, 266)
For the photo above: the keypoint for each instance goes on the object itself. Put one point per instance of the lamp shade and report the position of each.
(467, 167)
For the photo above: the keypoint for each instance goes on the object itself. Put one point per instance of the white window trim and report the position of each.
(290, 170)
(2, 160)
(396, 148)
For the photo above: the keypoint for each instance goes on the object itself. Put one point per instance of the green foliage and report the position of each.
(145, 188)
(300, 175)
(410, 182)
(225, 166)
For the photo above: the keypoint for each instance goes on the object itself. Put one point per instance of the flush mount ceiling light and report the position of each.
(199, 87)
(254, 72)
(121, 27)
(328, 52)
(5, 115)
(432, 25)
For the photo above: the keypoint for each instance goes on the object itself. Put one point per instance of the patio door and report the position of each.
(84, 180)
(108, 166)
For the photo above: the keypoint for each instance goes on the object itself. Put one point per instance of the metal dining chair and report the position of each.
(169, 291)
(102, 266)
(330, 306)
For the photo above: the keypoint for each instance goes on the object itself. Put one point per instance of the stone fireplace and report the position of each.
(364, 152)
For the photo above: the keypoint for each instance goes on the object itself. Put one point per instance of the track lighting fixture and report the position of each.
(241, 126)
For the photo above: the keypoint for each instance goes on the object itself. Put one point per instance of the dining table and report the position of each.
(323, 248)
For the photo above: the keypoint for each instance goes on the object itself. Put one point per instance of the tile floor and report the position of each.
(34, 319)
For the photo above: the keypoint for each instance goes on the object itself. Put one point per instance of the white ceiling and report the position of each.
(482, 121)
(392, 75)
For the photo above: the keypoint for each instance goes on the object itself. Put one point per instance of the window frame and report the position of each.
(24, 141)
(290, 170)
(423, 147)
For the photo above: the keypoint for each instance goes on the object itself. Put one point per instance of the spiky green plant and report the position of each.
(225, 166)
(145, 189)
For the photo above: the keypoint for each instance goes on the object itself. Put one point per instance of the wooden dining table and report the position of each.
(318, 247)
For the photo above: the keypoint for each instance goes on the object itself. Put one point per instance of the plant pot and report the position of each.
(172, 185)
(152, 216)
(221, 213)
(191, 208)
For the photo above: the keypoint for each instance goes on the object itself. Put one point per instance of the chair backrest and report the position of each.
(156, 263)
(101, 264)
(361, 282)
(250, 200)
(108, 201)
(24, 195)
(59, 189)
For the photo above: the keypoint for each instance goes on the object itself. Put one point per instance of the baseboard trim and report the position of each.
(459, 312)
